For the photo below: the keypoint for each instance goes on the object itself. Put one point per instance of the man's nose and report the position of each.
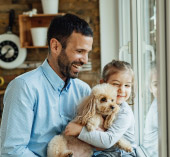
(84, 58)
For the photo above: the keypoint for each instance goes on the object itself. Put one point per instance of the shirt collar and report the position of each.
(56, 82)
(68, 84)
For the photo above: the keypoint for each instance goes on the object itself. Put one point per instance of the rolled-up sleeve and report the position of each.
(108, 138)
(17, 120)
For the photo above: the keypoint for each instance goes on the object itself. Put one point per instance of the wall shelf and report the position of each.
(26, 23)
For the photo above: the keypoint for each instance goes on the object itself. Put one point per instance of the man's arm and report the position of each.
(17, 120)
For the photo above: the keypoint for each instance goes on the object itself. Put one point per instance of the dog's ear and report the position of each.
(110, 118)
(86, 110)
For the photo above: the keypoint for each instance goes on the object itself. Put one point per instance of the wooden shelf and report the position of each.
(33, 47)
(26, 23)
(2, 92)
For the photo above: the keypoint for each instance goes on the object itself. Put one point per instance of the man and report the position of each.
(39, 104)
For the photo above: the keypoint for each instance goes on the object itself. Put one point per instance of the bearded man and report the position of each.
(40, 103)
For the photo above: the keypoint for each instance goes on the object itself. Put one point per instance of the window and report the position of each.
(139, 48)
(144, 33)
(147, 77)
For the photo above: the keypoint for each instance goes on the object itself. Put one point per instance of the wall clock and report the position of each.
(11, 54)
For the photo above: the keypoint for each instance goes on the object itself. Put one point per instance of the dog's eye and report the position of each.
(103, 99)
(112, 100)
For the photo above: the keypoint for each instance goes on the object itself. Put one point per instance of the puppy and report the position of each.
(101, 103)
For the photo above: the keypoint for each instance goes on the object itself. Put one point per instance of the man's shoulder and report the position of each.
(31, 75)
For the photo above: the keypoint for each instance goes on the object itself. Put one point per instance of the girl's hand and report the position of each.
(73, 129)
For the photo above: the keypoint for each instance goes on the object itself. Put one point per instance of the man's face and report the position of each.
(74, 55)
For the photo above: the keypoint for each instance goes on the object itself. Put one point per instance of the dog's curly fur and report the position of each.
(101, 103)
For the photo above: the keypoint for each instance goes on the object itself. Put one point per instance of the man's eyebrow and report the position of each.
(83, 49)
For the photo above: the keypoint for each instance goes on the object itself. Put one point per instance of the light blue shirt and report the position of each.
(36, 108)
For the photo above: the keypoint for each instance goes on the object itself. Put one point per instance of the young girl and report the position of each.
(150, 141)
(120, 75)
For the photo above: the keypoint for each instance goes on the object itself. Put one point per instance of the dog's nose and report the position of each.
(112, 107)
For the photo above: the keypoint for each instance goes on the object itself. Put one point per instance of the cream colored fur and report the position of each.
(101, 103)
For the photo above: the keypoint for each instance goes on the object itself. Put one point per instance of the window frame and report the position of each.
(163, 75)
(163, 64)
(168, 68)
(136, 55)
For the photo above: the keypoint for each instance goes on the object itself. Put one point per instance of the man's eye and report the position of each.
(79, 51)
(103, 99)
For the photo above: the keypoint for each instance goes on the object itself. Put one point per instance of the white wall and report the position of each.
(109, 30)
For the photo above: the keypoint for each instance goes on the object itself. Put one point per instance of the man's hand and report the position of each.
(73, 129)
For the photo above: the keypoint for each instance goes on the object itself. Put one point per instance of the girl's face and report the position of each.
(123, 81)
(153, 85)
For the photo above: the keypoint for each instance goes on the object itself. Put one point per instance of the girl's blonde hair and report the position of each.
(116, 66)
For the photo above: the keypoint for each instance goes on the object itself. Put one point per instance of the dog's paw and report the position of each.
(125, 145)
(90, 128)
(128, 149)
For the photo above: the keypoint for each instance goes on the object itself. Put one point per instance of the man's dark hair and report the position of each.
(62, 26)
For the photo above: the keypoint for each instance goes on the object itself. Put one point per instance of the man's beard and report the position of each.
(65, 65)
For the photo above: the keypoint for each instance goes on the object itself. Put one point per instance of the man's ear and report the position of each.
(101, 81)
(55, 46)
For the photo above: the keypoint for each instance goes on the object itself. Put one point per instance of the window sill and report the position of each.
(140, 152)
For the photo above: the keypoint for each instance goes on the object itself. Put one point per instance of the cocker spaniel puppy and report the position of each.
(99, 105)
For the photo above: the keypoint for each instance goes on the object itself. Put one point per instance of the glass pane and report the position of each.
(124, 31)
(148, 77)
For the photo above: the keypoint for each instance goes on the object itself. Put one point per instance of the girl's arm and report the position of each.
(74, 129)
(108, 138)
